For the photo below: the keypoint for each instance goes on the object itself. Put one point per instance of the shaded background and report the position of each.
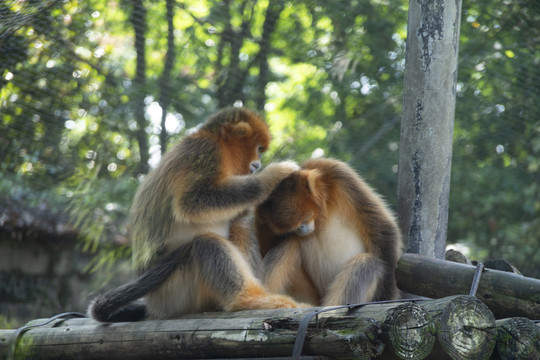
(92, 92)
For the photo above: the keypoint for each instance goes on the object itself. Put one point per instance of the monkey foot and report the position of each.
(255, 297)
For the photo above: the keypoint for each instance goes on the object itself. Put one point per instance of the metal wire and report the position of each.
(476, 279)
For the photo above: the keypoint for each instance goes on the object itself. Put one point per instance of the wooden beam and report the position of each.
(394, 330)
(506, 294)
(518, 338)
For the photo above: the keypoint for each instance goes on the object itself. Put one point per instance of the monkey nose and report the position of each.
(254, 166)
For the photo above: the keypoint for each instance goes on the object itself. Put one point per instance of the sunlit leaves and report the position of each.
(494, 192)
(334, 82)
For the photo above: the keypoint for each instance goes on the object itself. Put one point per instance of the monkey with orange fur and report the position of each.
(193, 244)
(328, 238)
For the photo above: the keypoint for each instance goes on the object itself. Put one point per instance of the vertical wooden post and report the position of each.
(427, 122)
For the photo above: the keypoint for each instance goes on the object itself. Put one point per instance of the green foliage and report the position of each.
(327, 75)
(495, 196)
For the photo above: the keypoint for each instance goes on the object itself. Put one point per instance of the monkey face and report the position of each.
(293, 206)
(244, 142)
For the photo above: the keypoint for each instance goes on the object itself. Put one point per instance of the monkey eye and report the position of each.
(260, 149)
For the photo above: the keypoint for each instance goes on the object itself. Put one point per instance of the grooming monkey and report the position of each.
(328, 238)
(192, 242)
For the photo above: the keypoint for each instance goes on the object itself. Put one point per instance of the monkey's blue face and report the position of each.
(306, 228)
(254, 166)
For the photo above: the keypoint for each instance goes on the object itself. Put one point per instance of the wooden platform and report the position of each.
(456, 327)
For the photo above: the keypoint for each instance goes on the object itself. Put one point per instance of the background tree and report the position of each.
(91, 92)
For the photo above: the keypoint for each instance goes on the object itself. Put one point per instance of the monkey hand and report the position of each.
(280, 170)
(272, 175)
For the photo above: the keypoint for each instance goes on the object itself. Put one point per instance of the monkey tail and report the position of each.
(119, 304)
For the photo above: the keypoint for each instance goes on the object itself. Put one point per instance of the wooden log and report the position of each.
(518, 338)
(248, 334)
(5, 335)
(465, 327)
(360, 332)
(411, 331)
(506, 294)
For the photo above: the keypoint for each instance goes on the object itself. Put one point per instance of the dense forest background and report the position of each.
(92, 92)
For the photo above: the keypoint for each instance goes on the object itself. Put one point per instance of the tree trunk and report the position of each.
(138, 20)
(506, 294)
(231, 88)
(272, 15)
(429, 94)
(165, 82)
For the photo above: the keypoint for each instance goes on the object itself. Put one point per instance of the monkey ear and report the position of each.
(317, 187)
(241, 129)
(314, 182)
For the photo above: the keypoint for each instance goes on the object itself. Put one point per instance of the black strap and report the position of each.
(16, 336)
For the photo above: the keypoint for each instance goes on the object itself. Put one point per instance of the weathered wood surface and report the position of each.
(506, 294)
(216, 335)
(427, 123)
(518, 338)
(465, 327)
(461, 326)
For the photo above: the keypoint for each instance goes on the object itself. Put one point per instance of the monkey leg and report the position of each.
(227, 275)
(358, 282)
(285, 274)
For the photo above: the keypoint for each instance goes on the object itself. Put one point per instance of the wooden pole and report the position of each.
(507, 294)
(465, 327)
(518, 338)
(411, 331)
(429, 94)
(397, 330)
(244, 334)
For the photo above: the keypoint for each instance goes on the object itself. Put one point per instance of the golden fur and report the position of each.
(328, 238)
(193, 243)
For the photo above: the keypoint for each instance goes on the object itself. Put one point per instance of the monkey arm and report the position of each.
(210, 202)
(241, 234)
(281, 263)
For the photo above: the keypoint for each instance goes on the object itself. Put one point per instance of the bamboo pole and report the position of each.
(506, 294)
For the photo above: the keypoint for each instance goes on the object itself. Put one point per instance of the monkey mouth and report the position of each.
(254, 166)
